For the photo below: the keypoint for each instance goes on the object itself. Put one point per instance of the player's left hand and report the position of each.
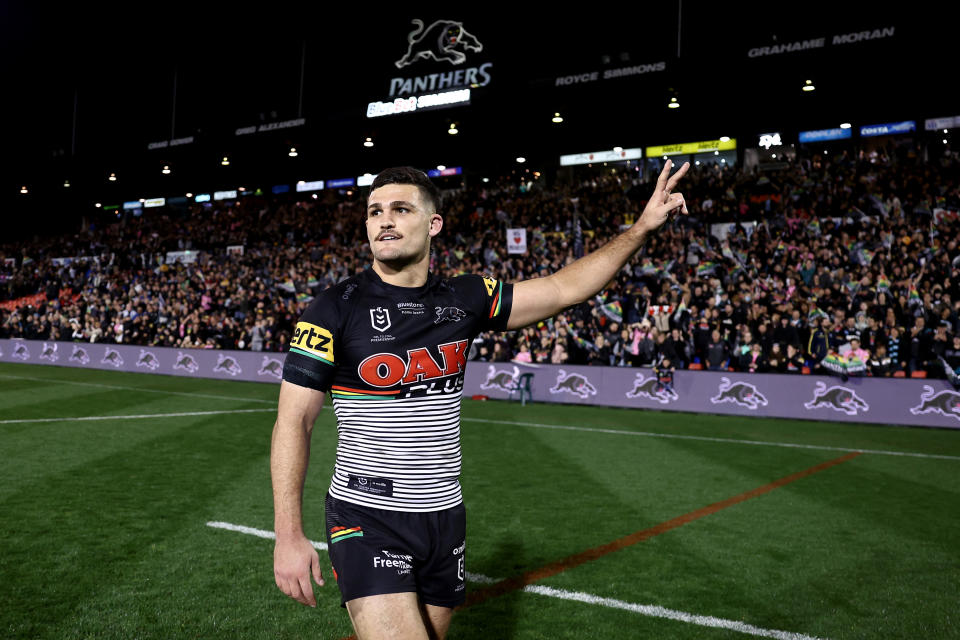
(664, 203)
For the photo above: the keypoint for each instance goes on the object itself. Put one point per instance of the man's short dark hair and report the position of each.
(409, 175)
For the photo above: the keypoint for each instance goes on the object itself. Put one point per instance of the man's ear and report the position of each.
(436, 224)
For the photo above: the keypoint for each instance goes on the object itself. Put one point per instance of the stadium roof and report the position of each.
(85, 101)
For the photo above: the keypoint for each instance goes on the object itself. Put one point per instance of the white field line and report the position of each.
(113, 386)
(765, 443)
(137, 417)
(649, 610)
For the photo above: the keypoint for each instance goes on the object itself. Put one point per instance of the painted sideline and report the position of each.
(113, 386)
(650, 610)
(575, 560)
(651, 434)
(136, 417)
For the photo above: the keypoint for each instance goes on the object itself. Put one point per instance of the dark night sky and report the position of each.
(242, 67)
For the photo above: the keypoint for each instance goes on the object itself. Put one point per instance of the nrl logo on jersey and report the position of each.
(49, 352)
(271, 367)
(186, 362)
(380, 319)
(573, 383)
(79, 355)
(112, 357)
(741, 393)
(147, 359)
(227, 364)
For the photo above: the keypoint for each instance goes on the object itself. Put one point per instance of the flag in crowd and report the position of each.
(613, 310)
(883, 284)
(814, 227)
(815, 313)
(706, 268)
(843, 365)
(647, 268)
(304, 297)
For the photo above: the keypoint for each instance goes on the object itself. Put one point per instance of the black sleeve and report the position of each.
(311, 360)
(491, 299)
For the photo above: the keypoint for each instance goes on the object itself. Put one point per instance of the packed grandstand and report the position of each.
(845, 263)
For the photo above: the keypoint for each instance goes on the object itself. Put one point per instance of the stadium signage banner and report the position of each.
(163, 144)
(768, 140)
(225, 195)
(449, 171)
(600, 156)
(870, 130)
(927, 403)
(365, 180)
(341, 182)
(312, 185)
(941, 123)
(154, 202)
(822, 135)
(688, 148)
(820, 43)
(132, 204)
(271, 126)
(608, 74)
(202, 197)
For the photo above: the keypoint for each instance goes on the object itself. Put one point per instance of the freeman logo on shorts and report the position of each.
(837, 398)
(312, 341)
(20, 351)
(644, 387)
(79, 355)
(449, 313)
(573, 383)
(186, 362)
(399, 561)
(148, 359)
(339, 534)
(112, 357)
(271, 367)
(49, 352)
(503, 380)
(946, 403)
(741, 393)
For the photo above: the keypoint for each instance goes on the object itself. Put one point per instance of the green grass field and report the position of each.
(104, 522)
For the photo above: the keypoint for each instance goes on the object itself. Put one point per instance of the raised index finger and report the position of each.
(675, 178)
(664, 174)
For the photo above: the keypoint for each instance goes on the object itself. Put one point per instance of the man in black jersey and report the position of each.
(390, 345)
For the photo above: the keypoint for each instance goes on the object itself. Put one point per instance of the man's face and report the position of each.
(400, 224)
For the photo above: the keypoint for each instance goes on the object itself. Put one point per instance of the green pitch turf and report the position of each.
(103, 523)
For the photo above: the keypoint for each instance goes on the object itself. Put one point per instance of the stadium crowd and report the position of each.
(845, 263)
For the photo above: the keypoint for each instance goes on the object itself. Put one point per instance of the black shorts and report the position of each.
(377, 551)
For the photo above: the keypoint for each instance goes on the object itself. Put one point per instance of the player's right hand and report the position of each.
(294, 560)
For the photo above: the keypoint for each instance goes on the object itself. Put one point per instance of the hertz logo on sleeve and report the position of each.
(312, 341)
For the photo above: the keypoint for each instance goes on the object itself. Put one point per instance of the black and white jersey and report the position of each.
(394, 359)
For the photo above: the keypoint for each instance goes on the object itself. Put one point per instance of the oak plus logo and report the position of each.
(644, 387)
(147, 360)
(20, 352)
(946, 403)
(502, 379)
(741, 393)
(227, 364)
(49, 352)
(113, 358)
(573, 383)
(79, 355)
(388, 369)
(186, 362)
(449, 313)
(380, 319)
(271, 367)
(837, 398)
(442, 41)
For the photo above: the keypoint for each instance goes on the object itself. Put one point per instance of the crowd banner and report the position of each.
(916, 402)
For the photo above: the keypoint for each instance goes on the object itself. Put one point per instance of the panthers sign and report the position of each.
(445, 42)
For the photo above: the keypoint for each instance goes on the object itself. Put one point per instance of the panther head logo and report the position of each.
(443, 41)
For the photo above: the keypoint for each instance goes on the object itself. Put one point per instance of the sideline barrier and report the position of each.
(928, 403)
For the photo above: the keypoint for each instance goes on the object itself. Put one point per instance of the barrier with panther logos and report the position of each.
(252, 366)
(929, 403)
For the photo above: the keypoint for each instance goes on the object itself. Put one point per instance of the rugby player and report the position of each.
(390, 345)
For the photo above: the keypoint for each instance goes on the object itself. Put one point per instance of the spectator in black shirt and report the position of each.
(717, 352)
